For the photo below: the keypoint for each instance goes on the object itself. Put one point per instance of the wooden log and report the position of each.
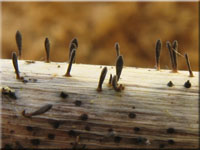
(146, 114)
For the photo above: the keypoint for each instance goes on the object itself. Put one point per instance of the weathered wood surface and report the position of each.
(157, 107)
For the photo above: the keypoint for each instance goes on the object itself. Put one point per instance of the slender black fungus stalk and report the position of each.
(40, 111)
(15, 64)
(101, 79)
(174, 50)
(71, 47)
(117, 47)
(110, 80)
(168, 44)
(18, 37)
(47, 48)
(75, 41)
(115, 85)
(158, 50)
(189, 66)
(70, 63)
(119, 66)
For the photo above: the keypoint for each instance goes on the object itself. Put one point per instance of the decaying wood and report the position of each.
(146, 114)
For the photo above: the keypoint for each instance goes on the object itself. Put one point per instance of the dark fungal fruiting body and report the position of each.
(63, 95)
(119, 66)
(170, 130)
(115, 85)
(101, 79)
(110, 80)
(117, 47)
(47, 48)
(72, 57)
(170, 84)
(172, 51)
(40, 111)
(140, 141)
(15, 64)
(169, 46)
(73, 45)
(158, 50)
(78, 103)
(189, 66)
(187, 84)
(18, 38)
(132, 115)
(55, 123)
(75, 41)
(84, 117)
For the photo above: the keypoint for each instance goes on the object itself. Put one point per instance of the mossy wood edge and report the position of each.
(111, 123)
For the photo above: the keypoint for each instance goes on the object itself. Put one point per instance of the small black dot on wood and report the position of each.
(35, 142)
(55, 123)
(171, 142)
(187, 84)
(170, 130)
(170, 84)
(87, 128)
(29, 128)
(136, 129)
(51, 136)
(84, 117)
(132, 115)
(162, 145)
(78, 103)
(117, 139)
(63, 95)
(139, 140)
(72, 133)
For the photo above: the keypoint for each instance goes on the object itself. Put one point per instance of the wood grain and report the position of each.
(153, 106)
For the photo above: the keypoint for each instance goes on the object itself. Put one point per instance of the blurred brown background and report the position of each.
(98, 25)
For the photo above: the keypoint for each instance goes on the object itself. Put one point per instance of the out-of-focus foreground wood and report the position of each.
(147, 114)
